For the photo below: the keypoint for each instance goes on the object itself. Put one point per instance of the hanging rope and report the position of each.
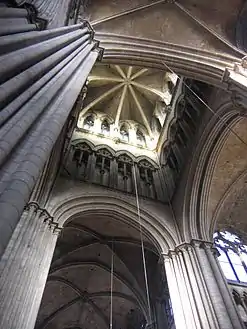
(142, 246)
(207, 106)
(112, 271)
(214, 113)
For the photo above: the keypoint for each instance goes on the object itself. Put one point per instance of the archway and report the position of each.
(100, 242)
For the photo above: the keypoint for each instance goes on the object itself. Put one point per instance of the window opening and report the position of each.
(124, 134)
(232, 256)
(105, 128)
(88, 122)
(140, 138)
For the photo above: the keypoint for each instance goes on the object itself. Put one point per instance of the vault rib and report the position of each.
(152, 90)
(130, 68)
(120, 105)
(91, 295)
(117, 275)
(103, 78)
(126, 12)
(100, 98)
(120, 71)
(82, 297)
(138, 74)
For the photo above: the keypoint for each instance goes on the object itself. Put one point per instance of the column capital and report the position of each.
(202, 243)
(44, 216)
(53, 226)
(36, 207)
(187, 246)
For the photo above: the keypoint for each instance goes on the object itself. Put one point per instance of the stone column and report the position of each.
(198, 289)
(55, 12)
(15, 20)
(24, 268)
(41, 76)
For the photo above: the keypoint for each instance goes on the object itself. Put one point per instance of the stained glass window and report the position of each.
(232, 256)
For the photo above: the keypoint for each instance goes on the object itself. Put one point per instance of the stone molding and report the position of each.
(201, 170)
(44, 216)
(181, 59)
(186, 246)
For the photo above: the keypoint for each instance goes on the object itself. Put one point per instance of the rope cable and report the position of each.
(214, 113)
(207, 106)
(142, 245)
(112, 271)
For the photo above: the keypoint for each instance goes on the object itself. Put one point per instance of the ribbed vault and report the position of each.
(128, 93)
(78, 290)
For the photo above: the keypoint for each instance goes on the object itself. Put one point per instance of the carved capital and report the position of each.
(184, 247)
(44, 215)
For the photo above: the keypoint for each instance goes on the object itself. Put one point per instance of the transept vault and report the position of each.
(123, 164)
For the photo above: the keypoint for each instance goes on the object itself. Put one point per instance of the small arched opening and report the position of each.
(124, 133)
(88, 122)
(105, 127)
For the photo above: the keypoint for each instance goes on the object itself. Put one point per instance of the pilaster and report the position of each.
(24, 268)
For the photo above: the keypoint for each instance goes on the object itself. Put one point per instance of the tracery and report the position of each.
(232, 256)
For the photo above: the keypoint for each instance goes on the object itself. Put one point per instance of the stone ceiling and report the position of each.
(227, 198)
(78, 290)
(204, 24)
(126, 93)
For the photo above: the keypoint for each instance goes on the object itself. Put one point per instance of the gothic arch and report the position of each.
(103, 146)
(197, 64)
(125, 123)
(83, 141)
(197, 221)
(65, 207)
(108, 118)
(123, 152)
(143, 157)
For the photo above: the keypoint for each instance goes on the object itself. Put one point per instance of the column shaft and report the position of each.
(41, 77)
(178, 311)
(198, 290)
(24, 268)
(228, 299)
(54, 11)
